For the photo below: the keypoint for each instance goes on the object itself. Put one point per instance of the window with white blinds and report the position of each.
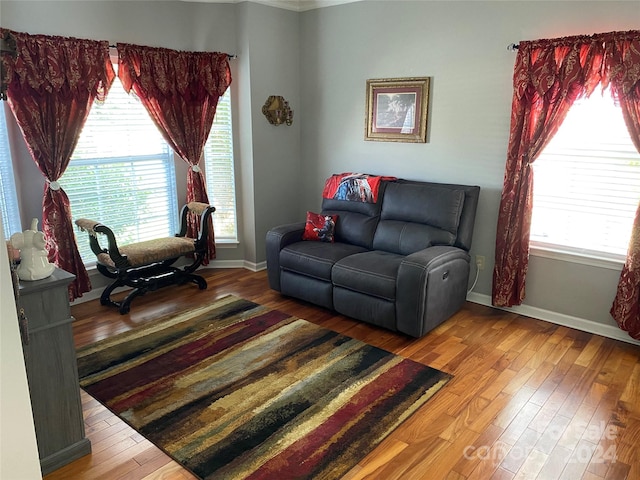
(122, 173)
(219, 170)
(587, 183)
(10, 211)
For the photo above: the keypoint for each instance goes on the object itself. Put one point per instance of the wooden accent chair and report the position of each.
(147, 266)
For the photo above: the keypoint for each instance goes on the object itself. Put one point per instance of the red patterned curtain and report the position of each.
(52, 83)
(180, 90)
(622, 62)
(549, 76)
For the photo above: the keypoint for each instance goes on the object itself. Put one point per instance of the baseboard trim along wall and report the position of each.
(255, 267)
(589, 326)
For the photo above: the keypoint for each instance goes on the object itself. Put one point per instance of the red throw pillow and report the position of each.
(320, 227)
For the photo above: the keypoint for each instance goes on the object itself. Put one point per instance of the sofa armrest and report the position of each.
(430, 287)
(278, 238)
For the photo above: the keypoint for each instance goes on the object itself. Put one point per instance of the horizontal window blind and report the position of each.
(587, 182)
(10, 210)
(219, 170)
(122, 174)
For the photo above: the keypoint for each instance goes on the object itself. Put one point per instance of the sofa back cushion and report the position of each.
(357, 221)
(416, 216)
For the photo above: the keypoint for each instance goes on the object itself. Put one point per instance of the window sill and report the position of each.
(227, 243)
(613, 262)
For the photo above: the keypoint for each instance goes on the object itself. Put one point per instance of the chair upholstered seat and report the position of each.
(152, 251)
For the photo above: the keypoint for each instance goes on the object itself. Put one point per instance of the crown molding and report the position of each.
(304, 5)
(294, 5)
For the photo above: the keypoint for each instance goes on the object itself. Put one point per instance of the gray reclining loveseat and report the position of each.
(401, 263)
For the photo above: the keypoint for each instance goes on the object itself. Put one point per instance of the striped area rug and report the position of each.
(234, 390)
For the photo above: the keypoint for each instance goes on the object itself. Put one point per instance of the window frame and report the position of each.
(226, 130)
(8, 190)
(126, 160)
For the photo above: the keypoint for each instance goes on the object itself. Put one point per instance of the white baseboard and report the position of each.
(585, 325)
(255, 267)
(225, 264)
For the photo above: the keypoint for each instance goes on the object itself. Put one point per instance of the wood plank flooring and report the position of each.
(529, 400)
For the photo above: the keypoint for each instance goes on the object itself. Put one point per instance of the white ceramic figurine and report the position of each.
(34, 264)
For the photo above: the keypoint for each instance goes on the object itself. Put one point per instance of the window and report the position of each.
(122, 173)
(10, 211)
(587, 183)
(219, 171)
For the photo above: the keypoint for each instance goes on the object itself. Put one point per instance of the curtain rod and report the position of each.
(513, 47)
(230, 56)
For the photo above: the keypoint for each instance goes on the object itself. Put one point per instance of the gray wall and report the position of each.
(319, 60)
(269, 155)
(462, 47)
(268, 64)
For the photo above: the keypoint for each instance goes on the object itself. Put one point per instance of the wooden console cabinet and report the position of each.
(52, 371)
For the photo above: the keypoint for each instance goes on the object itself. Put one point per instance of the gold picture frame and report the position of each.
(397, 109)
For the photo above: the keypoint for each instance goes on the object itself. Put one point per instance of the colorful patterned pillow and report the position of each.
(320, 227)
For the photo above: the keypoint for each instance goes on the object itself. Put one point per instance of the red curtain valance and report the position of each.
(622, 63)
(552, 69)
(162, 72)
(585, 60)
(63, 65)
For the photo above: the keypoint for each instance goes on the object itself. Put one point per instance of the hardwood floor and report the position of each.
(529, 399)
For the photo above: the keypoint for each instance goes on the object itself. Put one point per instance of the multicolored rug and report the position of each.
(235, 390)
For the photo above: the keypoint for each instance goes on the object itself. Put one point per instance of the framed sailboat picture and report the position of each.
(397, 109)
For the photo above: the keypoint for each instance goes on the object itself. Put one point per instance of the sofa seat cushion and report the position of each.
(371, 273)
(315, 259)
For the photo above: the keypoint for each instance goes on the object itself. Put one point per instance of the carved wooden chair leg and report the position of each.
(197, 279)
(147, 266)
(105, 298)
(125, 305)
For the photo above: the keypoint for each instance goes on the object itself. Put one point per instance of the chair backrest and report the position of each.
(357, 221)
(416, 215)
(469, 208)
(409, 215)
